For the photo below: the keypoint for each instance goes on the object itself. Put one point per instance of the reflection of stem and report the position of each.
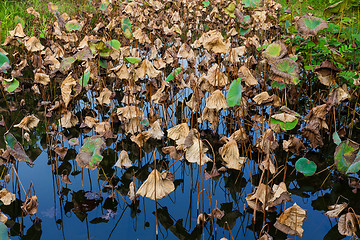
(12, 165)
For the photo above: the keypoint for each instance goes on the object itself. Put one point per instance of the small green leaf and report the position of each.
(285, 125)
(173, 74)
(234, 94)
(115, 44)
(251, 3)
(133, 59)
(72, 26)
(206, 3)
(126, 26)
(312, 23)
(3, 60)
(279, 85)
(336, 138)
(145, 122)
(85, 79)
(305, 166)
(11, 85)
(230, 9)
(273, 50)
(103, 63)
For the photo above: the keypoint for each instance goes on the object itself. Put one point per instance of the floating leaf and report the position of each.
(4, 62)
(85, 79)
(15, 148)
(234, 94)
(89, 155)
(347, 157)
(115, 44)
(173, 74)
(133, 59)
(11, 86)
(305, 166)
(286, 121)
(336, 138)
(251, 3)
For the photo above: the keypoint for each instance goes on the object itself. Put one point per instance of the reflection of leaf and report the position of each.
(305, 166)
(179, 231)
(89, 155)
(164, 217)
(3, 232)
(15, 148)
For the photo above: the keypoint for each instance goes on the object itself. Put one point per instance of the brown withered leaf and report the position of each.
(195, 149)
(247, 76)
(146, 68)
(280, 195)
(336, 209)
(348, 224)
(216, 101)
(291, 221)
(90, 121)
(294, 144)
(33, 45)
(171, 150)
(132, 192)
(141, 138)
(155, 130)
(42, 78)
(18, 31)
(68, 120)
(6, 197)
(178, 133)
(123, 160)
(66, 89)
(28, 123)
(61, 151)
(104, 129)
(231, 156)
(214, 41)
(156, 186)
(105, 97)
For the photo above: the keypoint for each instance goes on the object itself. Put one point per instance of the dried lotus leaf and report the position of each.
(291, 221)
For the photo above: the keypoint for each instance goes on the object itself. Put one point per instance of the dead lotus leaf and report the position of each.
(6, 197)
(258, 198)
(61, 151)
(280, 195)
(68, 120)
(284, 117)
(268, 164)
(215, 77)
(18, 31)
(178, 133)
(247, 76)
(336, 209)
(239, 135)
(32, 11)
(28, 123)
(231, 156)
(123, 160)
(33, 45)
(104, 129)
(141, 138)
(291, 221)
(348, 224)
(141, 36)
(90, 121)
(267, 142)
(156, 186)
(261, 97)
(214, 41)
(105, 97)
(121, 71)
(155, 130)
(294, 144)
(195, 149)
(146, 68)
(216, 101)
(132, 192)
(210, 115)
(235, 54)
(42, 78)
(66, 89)
(3, 218)
(305, 30)
(171, 150)
(129, 112)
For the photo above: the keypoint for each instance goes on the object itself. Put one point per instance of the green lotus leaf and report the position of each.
(4, 62)
(305, 166)
(3, 232)
(126, 26)
(230, 9)
(336, 8)
(103, 63)
(115, 44)
(346, 157)
(336, 138)
(206, 3)
(287, 122)
(72, 25)
(310, 26)
(286, 70)
(89, 155)
(173, 74)
(99, 47)
(17, 20)
(15, 148)
(11, 86)
(251, 3)
(233, 96)
(133, 59)
(85, 79)
(275, 50)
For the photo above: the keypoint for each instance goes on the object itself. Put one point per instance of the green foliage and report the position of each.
(285, 125)
(126, 26)
(173, 74)
(206, 3)
(115, 44)
(14, 84)
(251, 3)
(3, 232)
(133, 59)
(347, 157)
(234, 94)
(336, 138)
(312, 23)
(3, 60)
(273, 50)
(305, 166)
(89, 155)
(85, 79)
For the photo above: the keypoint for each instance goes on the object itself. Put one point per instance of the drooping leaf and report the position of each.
(115, 44)
(4, 60)
(346, 157)
(133, 59)
(305, 166)
(234, 94)
(15, 148)
(173, 74)
(99, 47)
(11, 86)
(89, 155)
(85, 79)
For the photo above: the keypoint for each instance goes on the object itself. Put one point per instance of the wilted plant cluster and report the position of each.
(228, 89)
